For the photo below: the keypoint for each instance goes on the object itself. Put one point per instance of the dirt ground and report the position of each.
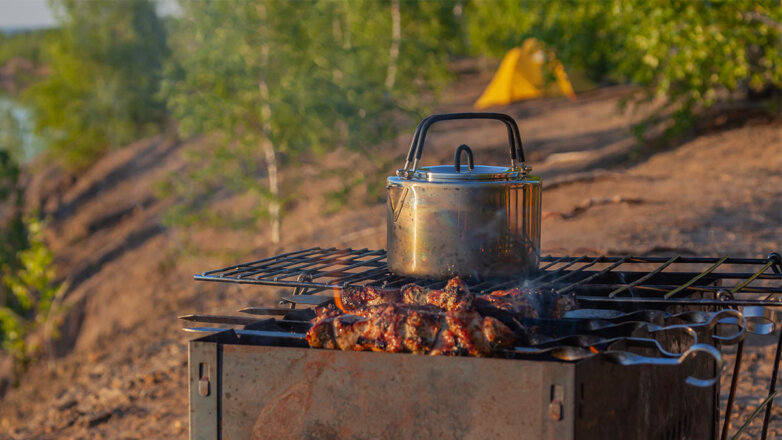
(119, 367)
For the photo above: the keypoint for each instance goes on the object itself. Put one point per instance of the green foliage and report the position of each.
(689, 54)
(27, 286)
(27, 45)
(105, 73)
(496, 26)
(28, 294)
(26, 275)
(295, 78)
(23, 55)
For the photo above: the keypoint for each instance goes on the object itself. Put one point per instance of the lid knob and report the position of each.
(458, 155)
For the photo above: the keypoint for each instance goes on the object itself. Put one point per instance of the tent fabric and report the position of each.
(522, 75)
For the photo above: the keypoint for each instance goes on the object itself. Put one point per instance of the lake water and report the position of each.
(16, 129)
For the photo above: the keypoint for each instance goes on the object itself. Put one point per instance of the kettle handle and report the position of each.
(417, 145)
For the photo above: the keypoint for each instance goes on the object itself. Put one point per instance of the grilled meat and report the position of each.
(515, 302)
(327, 310)
(348, 329)
(412, 329)
(321, 334)
(420, 328)
(455, 296)
(413, 294)
(355, 297)
(448, 321)
(526, 303)
(497, 334)
(463, 336)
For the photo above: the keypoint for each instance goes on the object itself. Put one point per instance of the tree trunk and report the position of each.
(270, 156)
(396, 36)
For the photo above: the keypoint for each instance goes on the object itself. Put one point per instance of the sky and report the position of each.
(25, 14)
(15, 14)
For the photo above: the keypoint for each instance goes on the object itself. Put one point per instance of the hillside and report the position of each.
(119, 368)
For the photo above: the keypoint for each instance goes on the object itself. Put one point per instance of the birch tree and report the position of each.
(275, 79)
(246, 73)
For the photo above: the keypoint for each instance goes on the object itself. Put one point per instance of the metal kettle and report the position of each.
(475, 221)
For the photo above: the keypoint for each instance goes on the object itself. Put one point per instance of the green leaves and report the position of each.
(301, 77)
(28, 292)
(690, 54)
(105, 73)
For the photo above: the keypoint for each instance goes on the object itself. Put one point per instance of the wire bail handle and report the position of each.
(419, 139)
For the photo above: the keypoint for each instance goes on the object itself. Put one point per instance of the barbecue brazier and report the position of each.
(617, 371)
(255, 387)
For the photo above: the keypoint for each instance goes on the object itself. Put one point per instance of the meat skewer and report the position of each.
(413, 319)
(411, 329)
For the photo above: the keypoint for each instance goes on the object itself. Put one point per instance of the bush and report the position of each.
(27, 287)
(28, 296)
(690, 55)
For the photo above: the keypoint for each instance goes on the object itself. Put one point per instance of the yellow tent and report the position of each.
(521, 76)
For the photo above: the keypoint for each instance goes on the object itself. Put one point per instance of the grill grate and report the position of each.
(670, 280)
(628, 281)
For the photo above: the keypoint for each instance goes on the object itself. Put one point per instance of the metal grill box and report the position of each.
(243, 388)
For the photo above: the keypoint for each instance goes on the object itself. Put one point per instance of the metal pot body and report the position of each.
(465, 228)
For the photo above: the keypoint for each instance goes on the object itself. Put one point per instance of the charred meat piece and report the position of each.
(420, 330)
(473, 335)
(346, 330)
(373, 329)
(389, 323)
(516, 302)
(455, 296)
(413, 294)
(497, 334)
(457, 286)
(467, 333)
(321, 334)
(526, 303)
(355, 297)
(446, 344)
(399, 328)
(326, 311)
